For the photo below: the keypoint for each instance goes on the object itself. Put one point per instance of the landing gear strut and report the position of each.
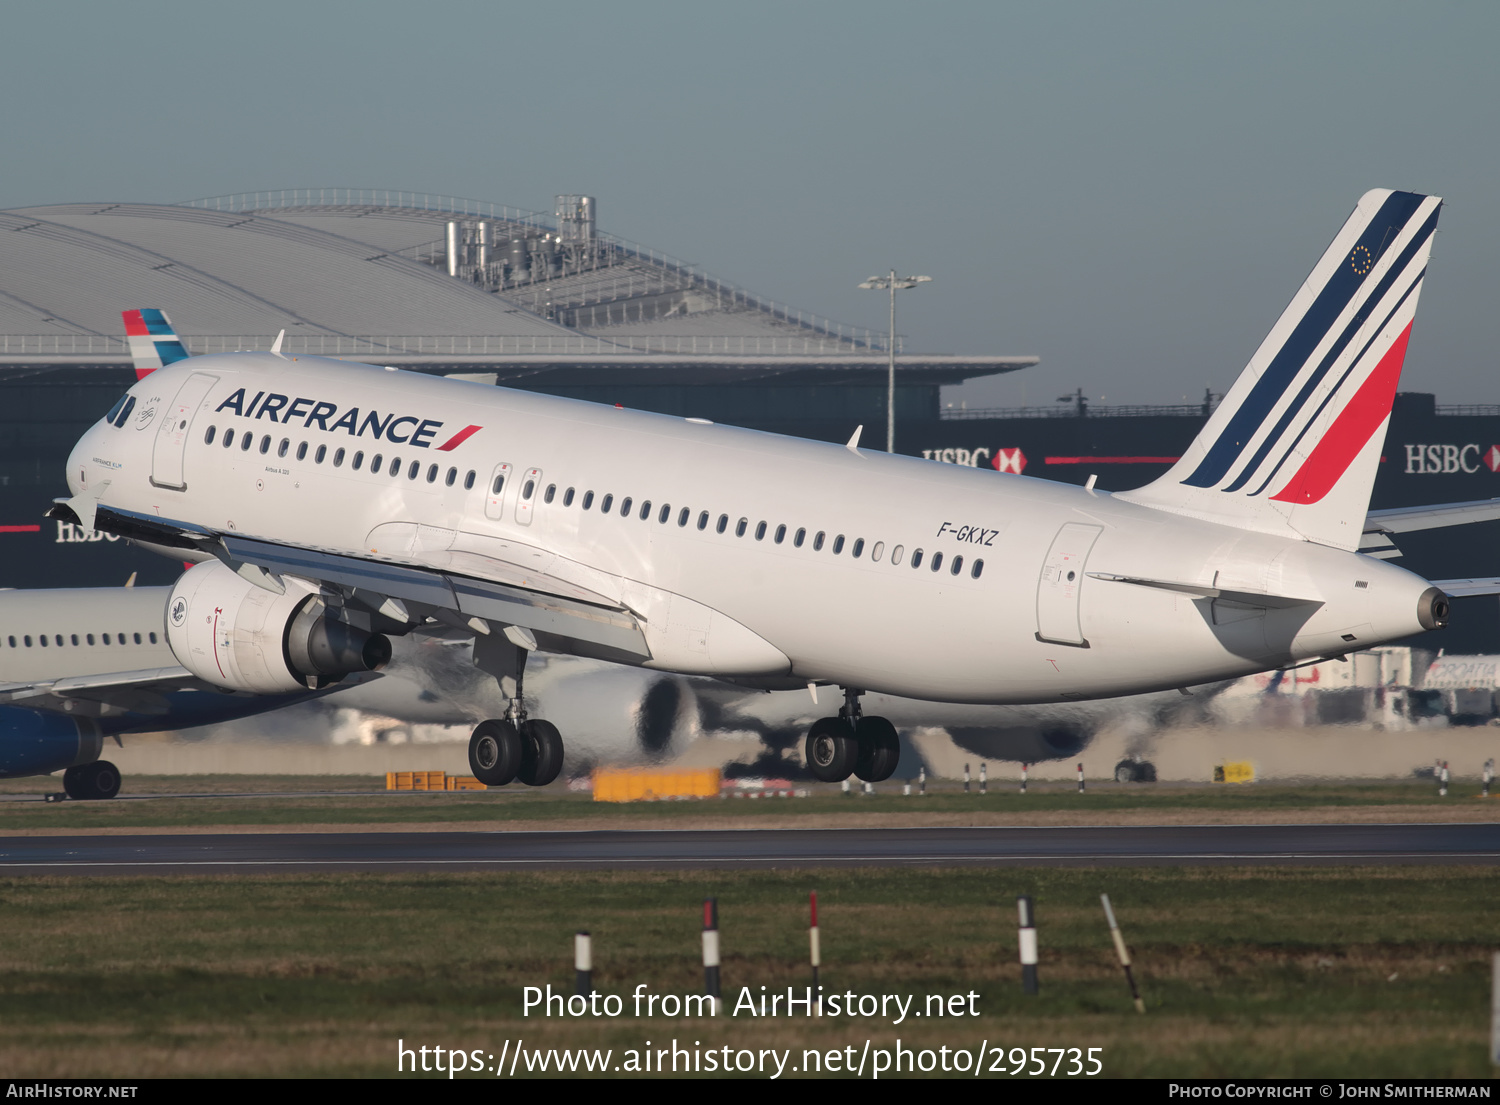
(852, 743)
(502, 750)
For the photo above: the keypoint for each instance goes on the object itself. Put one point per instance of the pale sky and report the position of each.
(1130, 191)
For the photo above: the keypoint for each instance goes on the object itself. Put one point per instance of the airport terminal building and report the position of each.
(549, 302)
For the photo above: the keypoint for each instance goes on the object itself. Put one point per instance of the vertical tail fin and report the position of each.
(1294, 447)
(153, 342)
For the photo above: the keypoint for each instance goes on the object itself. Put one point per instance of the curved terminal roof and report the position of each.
(413, 280)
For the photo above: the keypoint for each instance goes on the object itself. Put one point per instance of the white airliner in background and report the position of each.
(334, 503)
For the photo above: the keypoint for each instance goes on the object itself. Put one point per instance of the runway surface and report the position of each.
(672, 849)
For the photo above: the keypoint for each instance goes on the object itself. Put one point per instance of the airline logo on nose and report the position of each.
(310, 413)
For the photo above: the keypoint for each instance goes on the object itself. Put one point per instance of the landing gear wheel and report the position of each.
(1145, 772)
(879, 749)
(1135, 771)
(100, 779)
(495, 752)
(541, 753)
(1125, 771)
(831, 749)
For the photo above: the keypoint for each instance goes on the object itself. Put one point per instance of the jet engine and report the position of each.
(233, 634)
(33, 742)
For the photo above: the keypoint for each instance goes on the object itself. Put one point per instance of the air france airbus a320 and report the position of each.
(331, 504)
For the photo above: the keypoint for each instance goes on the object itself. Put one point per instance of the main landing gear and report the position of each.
(502, 750)
(100, 779)
(852, 743)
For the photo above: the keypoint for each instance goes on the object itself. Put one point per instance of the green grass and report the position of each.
(361, 800)
(1245, 972)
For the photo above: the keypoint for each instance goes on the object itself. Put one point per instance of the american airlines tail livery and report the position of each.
(331, 505)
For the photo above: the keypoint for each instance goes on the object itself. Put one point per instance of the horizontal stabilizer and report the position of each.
(1198, 590)
(1409, 518)
(1466, 588)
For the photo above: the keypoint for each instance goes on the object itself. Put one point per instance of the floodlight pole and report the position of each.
(894, 284)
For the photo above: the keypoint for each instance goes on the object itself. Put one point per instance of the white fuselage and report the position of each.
(740, 602)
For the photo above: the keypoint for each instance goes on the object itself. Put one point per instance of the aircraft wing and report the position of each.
(535, 601)
(139, 692)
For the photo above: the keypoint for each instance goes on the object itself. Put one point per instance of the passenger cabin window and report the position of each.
(208, 437)
(377, 462)
(666, 513)
(740, 527)
(320, 454)
(469, 480)
(760, 531)
(838, 544)
(550, 493)
(414, 469)
(452, 477)
(818, 542)
(645, 511)
(338, 458)
(527, 488)
(265, 444)
(358, 461)
(780, 534)
(588, 499)
(228, 438)
(801, 537)
(877, 550)
(723, 523)
(498, 485)
(682, 517)
(703, 520)
(568, 497)
(859, 547)
(625, 507)
(605, 503)
(283, 447)
(246, 440)
(302, 450)
(432, 471)
(916, 558)
(977, 570)
(958, 565)
(937, 561)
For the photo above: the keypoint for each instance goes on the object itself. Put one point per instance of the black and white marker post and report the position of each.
(1080, 778)
(1443, 780)
(711, 951)
(984, 786)
(813, 946)
(1489, 776)
(1123, 952)
(922, 781)
(1029, 983)
(966, 778)
(583, 964)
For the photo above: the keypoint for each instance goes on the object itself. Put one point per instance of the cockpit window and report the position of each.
(121, 410)
(115, 410)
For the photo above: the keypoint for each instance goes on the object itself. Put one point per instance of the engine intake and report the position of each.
(230, 633)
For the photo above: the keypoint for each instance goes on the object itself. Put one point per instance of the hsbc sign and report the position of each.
(1440, 460)
(1001, 460)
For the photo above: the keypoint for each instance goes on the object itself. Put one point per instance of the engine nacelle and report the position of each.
(33, 742)
(233, 634)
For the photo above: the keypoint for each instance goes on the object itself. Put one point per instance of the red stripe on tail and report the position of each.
(1350, 432)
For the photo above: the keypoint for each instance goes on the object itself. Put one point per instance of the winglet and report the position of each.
(853, 442)
(276, 345)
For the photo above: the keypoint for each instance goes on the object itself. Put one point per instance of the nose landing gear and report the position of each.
(852, 743)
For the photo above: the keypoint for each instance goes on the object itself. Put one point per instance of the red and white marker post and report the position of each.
(1024, 768)
(1080, 778)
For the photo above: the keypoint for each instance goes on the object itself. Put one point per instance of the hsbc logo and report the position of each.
(1447, 460)
(1001, 460)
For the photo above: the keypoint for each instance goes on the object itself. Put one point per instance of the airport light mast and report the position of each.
(893, 283)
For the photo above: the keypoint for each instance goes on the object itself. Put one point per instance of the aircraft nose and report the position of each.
(79, 462)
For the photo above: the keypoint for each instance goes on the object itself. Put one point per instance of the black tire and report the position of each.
(1146, 772)
(831, 749)
(879, 749)
(1127, 771)
(86, 782)
(541, 753)
(495, 752)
